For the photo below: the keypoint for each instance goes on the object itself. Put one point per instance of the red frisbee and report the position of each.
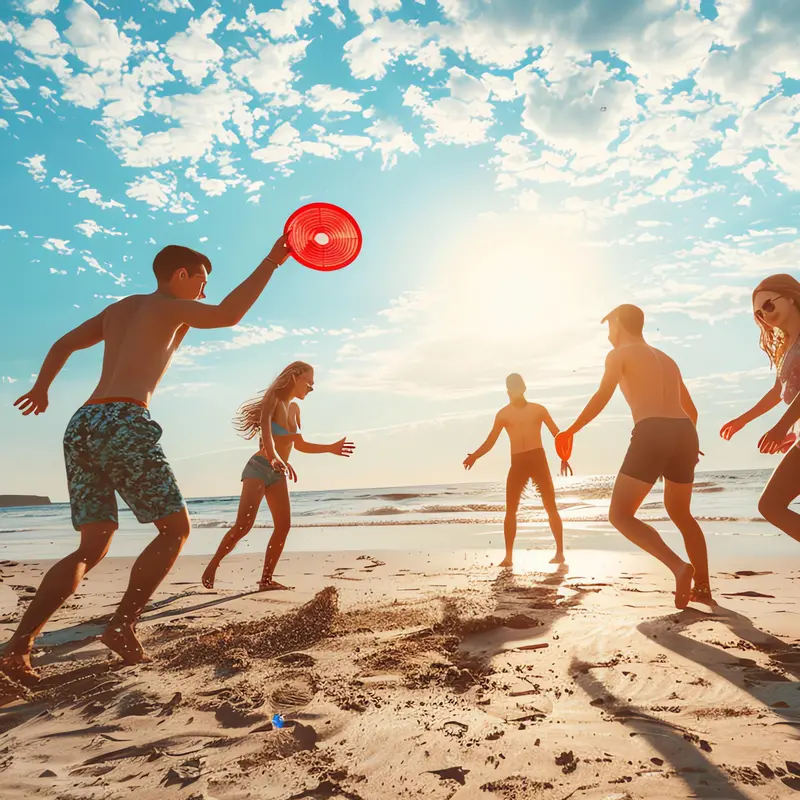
(323, 236)
(564, 445)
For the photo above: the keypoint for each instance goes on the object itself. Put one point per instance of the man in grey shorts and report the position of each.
(663, 444)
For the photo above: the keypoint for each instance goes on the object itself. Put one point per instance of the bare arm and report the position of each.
(765, 404)
(491, 441)
(84, 336)
(233, 308)
(688, 404)
(771, 399)
(548, 420)
(302, 446)
(608, 385)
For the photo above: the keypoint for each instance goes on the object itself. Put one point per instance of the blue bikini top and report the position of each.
(279, 430)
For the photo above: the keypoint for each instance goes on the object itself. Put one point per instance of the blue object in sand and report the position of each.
(278, 721)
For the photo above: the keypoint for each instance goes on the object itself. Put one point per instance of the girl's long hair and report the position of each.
(248, 418)
(773, 340)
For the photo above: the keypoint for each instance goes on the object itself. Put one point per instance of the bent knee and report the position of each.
(92, 555)
(679, 515)
(244, 526)
(619, 518)
(769, 508)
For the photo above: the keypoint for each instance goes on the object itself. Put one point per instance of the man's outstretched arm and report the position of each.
(599, 401)
(491, 441)
(233, 308)
(86, 335)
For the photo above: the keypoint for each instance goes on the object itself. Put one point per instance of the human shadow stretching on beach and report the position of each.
(704, 778)
(743, 673)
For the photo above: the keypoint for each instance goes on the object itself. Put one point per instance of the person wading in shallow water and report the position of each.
(523, 422)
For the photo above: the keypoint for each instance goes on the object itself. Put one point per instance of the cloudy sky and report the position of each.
(518, 167)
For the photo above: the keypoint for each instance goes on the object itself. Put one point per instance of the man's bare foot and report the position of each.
(17, 666)
(558, 558)
(122, 640)
(506, 562)
(209, 575)
(272, 586)
(683, 585)
(701, 593)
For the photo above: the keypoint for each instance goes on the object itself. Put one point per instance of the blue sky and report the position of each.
(518, 167)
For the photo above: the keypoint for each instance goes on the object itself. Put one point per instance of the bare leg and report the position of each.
(252, 495)
(677, 501)
(628, 495)
(281, 510)
(148, 571)
(780, 491)
(515, 485)
(548, 494)
(57, 586)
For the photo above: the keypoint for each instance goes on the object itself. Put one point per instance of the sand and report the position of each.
(415, 675)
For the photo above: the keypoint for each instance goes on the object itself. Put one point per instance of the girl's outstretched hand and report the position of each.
(566, 469)
(729, 429)
(343, 448)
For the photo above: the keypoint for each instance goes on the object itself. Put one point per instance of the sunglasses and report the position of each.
(767, 307)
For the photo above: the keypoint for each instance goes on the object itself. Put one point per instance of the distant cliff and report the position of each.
(14, 500)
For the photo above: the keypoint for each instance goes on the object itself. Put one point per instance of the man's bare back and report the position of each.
(523, 424)
(140, 335)
(650, 381)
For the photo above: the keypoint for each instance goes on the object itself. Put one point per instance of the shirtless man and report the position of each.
(523, 423)
(111, 443)
(664, 444)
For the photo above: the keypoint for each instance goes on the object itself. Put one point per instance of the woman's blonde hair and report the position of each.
(248, 418)
(773, 340)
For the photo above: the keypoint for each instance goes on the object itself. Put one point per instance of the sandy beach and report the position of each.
(415, 674)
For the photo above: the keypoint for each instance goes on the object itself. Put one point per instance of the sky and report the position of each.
(517, 167)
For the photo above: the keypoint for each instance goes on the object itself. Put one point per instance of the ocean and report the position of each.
(456, 516)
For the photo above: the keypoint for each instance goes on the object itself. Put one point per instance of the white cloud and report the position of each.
(204, 119)
(192, 51)
(40, 6)
(271, 70)
(464, 117)
(96, 41)
(325, 100)
(89, 228)
(367, 10)
(389, 139)
(60, 246)
(745, 201)
(35, 166)
(246, 336)
(67, 183)
(383, 42)
(171, 6)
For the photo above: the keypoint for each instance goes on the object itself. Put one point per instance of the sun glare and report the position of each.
(512, 280)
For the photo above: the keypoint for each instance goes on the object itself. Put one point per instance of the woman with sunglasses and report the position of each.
(275, 418)
(776, 306)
